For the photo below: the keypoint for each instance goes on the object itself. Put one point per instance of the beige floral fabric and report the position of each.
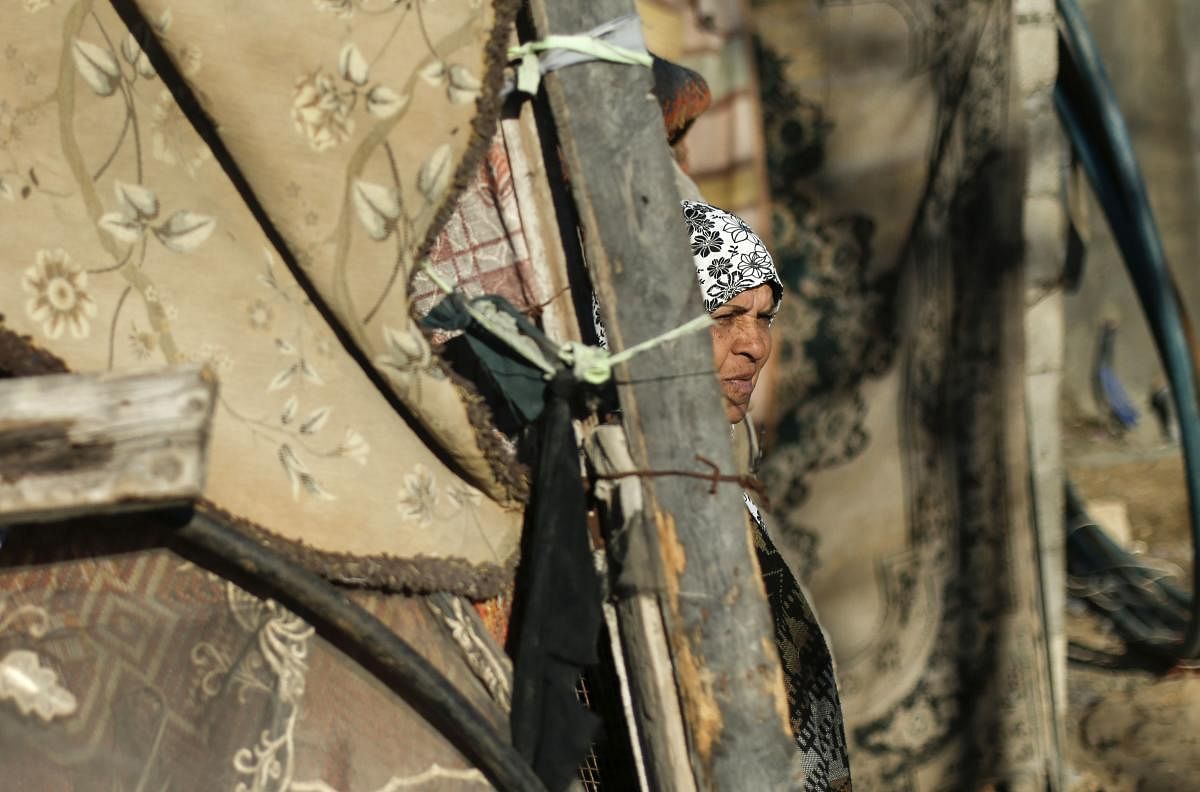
(351, 121)
(127, 247)
(897, 472)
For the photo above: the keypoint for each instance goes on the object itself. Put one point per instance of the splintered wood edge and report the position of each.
(76, 444)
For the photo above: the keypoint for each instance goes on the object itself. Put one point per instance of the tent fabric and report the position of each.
(143, 670)
(814, 708)
(896, 468)
(363, 135)
(482, 247)
(395, 105)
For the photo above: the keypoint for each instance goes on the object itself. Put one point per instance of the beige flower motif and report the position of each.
(142, 342)
(170, 311)
(407, 354)
(464, 495)
(58, 295)
(214, 356)
(418, 497)
(136, 57)
(915, 726)
(355, 446)
(300, 478)
(161, 302)
(260, 315)
(322, 114)
(462, 87)
(325, 347)
(172, 139)
(33, 6)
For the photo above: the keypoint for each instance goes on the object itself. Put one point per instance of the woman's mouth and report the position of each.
(739, 388)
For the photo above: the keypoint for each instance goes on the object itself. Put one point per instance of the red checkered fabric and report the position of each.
(482, 246)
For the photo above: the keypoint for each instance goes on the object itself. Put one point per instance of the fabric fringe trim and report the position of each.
(512, 476)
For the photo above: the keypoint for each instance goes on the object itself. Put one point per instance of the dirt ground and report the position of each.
(1133, 725)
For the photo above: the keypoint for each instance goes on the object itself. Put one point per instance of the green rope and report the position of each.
(589, 364)
(529, 72)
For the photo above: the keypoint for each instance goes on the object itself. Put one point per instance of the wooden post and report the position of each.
(708, 593)
(73, 444)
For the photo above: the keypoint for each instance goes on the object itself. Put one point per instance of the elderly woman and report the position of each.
(742, 292)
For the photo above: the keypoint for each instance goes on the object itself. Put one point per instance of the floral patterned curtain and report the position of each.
(257, 187)
(253, 186)
(896, 467)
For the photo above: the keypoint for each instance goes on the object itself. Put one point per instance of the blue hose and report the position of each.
(1089, 113)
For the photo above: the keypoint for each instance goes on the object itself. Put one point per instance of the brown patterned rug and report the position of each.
(126, 665)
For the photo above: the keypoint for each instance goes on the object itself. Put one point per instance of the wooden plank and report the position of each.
(710, 595)
(539, 226)
(659, 725)
(653, 716)
(73, 444)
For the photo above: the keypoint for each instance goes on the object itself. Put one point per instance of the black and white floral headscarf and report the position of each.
(729, 257)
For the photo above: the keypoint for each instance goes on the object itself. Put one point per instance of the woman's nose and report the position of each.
(751, 339)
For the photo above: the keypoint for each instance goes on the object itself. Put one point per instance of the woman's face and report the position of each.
(741, 336)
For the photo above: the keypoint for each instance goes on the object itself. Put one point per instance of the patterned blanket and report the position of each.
(124, 665)
(252, 186)
(897, 458)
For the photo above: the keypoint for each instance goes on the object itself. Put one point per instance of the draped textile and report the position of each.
(341, 141)
(124, 665)
(814, 709)
(558, 612)
(896, 460)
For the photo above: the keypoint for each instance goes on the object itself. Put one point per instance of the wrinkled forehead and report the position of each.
(729, 257)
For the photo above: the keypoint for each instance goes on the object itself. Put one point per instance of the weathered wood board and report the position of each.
(708, 588)
(73, 444)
